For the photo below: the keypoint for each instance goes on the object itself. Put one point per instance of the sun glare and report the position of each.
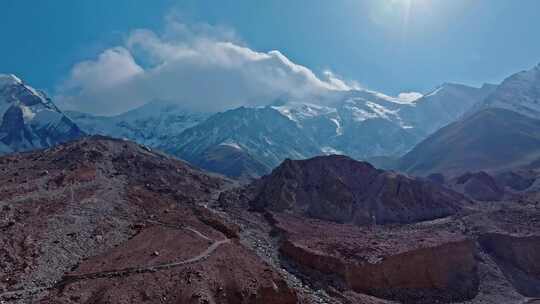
(405, 10)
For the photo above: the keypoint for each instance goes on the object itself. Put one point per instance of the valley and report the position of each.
(350, 197)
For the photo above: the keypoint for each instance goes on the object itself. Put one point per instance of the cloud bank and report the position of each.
(204, 68)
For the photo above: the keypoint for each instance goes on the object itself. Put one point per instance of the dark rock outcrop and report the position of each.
(337, 188)
(479, 186)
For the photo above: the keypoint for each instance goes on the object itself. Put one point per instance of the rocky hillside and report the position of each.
(108, 221)
(340, 189)
(299, 217)
(29, 119)
(102, 220)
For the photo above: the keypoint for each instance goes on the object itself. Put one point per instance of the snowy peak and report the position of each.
(28, 118)
(9, 79)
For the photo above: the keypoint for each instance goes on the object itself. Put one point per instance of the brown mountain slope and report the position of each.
(108, 221)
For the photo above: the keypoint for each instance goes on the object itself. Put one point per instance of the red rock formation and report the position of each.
(343, 190)
(447, 272)
(430, 264)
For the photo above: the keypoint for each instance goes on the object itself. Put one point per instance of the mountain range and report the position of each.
(362, 124)
(448, 130)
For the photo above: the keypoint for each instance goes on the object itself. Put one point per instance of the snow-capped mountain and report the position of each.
(518, 93)
(29, 119)
(364, 124)
(262, 133)
(361, 124)
(354, 126)
(151, 124)
(358, 123)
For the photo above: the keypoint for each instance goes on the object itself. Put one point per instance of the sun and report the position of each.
(405, 9)
(408, 5)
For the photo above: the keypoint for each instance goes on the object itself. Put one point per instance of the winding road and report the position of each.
(69, 279)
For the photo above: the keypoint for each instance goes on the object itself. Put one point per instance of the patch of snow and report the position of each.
(329, 151)
(380, 110)
(27, 113)
(435, 92)
(9, 79)
(403, 98)
(409, 97)
(359, 114)
(285, 111)
(339, 129)
(46, 117)
(231, 144)
(297, 111)
(268, 141)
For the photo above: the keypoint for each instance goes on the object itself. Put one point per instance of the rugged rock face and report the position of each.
(108, 221)
(29, 120)
(343, 190)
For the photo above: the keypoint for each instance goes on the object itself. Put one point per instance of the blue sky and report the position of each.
(379, 44)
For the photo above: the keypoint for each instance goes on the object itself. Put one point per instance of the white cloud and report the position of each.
(205, 68)
(112, 67)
